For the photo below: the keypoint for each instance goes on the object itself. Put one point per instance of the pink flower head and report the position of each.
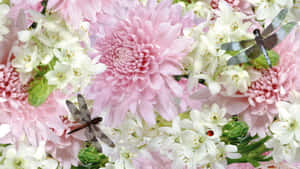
(76, 11)
(274, 85)
(152, 160)
(142, 53)
(64, 147)
(38, 124)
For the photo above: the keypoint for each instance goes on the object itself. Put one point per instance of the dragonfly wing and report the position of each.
(243, 57)
(271, 41)
(100, 135)
(73, 110)
(276, 22)
(83, 108)
(89, 133)
(235, 46)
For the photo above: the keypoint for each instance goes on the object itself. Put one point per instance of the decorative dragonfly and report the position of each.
(268, 39)
(83, 115)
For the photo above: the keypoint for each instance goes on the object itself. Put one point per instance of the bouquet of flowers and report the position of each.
(149, 84)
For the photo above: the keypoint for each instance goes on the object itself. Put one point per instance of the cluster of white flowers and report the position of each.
(194, 141)
(4, 9)
(54, 44)
(286, 131)
(191, 140)
(266, 9)
(26, 157)
(207, 61)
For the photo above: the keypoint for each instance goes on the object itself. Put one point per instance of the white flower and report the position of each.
(210, 115)
(60, 76)
(26, 157)
(235, 79)
(287, 128)
(287, 152)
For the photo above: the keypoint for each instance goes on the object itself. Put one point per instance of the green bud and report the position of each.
(234, 131)
(90, 156)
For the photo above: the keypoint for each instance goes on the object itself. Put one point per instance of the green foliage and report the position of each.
(234, 132)
(250, 148)
(91, 158)
(261, 62)
(39, 91)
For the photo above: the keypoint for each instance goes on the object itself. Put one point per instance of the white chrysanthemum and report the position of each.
(4, 9)
(286, 130)
(207, 61)
(53, 43)
(26, 157)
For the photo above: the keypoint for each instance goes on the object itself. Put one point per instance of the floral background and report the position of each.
(156, 73)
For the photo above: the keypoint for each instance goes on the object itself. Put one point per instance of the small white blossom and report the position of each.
(235, 79)
(26, 157)
(286, 130)
(60, 76)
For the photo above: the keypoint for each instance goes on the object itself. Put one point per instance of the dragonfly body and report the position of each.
(260, 42)
(267, 40)
(92, 132)
(93, 121)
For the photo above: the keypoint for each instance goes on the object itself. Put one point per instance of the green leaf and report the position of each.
(91, 158)
(261, 63)
(39, 91)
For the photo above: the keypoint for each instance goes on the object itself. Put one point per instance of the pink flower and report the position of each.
(77, 11)
(242, 5)
(64, 147)
(265, 165)
(142, 53)
(24, 5)
(41, 123)
(152, 160)
(195, 98)
(274, 85)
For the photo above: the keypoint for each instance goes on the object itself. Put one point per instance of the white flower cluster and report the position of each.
(190, 141)
(4, 9)
(266, 9)
(65, 52)
(194, 142)
(26, 157)
(286, 131)
(207, 61)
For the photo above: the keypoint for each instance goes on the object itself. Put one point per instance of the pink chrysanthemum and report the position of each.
(41, 123)
(142, 53)
(274, 85)
(77, 11)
